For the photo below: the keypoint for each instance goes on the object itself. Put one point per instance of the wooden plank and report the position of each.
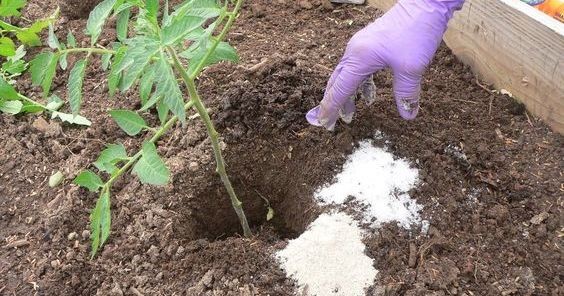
(514, 47)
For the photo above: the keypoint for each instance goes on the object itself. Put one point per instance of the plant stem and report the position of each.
(214, 136)
(232, 16)
(31, 101)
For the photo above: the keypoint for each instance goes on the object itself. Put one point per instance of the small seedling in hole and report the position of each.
(163, 48)
(270, 212)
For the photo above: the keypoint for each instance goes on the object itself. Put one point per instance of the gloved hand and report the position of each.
(404, 39)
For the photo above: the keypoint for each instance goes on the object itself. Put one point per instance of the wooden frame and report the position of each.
(514, 47)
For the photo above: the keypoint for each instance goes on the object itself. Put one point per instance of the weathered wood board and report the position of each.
(514, 47)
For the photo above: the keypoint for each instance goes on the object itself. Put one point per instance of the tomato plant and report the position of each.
(162, 48)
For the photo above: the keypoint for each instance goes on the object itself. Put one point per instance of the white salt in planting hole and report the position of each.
(375, 178)
(329, 258)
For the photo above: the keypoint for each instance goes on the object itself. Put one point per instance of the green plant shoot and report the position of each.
(162, 48)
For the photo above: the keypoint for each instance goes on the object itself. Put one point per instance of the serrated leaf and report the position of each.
(97, 18)
(49, 74)
(150, 168)
(71, 40)
(122, 24)
(146, 85)
(76, 79)
(139, 53)
(89, 180)
(56, 179)
(11, 7)
(7, 91)
(28, 37)
(167, 88)
(100, 222)
(39, 65)
(223, 52)
(70, 118)
(52, 39)
(11, 107)
(130, 122)
(109, 157)
(179, 27)
(7, 47)
(114, 77)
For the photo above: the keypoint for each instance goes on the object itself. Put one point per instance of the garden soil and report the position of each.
(491, 179)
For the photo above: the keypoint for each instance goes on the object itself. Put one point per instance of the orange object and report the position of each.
(554, 8)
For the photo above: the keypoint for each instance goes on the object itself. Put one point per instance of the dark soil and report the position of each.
(182, 239)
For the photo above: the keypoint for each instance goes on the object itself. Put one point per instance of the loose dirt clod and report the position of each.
(329, 259)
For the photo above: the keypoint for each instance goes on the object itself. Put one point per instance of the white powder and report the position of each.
(373, 177)
(329, 259)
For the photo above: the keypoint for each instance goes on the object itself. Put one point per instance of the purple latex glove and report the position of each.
(404, 39)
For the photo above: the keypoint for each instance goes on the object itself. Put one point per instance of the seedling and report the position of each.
(162, 49)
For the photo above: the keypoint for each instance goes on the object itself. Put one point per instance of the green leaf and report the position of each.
(52, 39)
(7, 47)
(139, 53)
(129, 121)
(117, 67)
(39, 65)
(7, 91)
(70, 118)
(28, 37)
(122, 24)
(152, 7)
(56, 179)
(162, 110)
(100, 222)
(223, 52)
(29, 107)
(11, 7)
(11, 107)
(89, 180)
(49, 74)
(179, 27)
(14, 67)
(150, 168)
(63, 62)
(71, 40)
(167, 88)
(97, 19)
(54, 103)
(76, 79)
(146, 85)
(109, 157)
(41, 24)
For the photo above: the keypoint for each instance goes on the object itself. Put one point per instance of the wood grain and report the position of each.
(514, 47)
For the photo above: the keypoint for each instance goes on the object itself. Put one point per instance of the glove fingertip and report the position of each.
(313, 116)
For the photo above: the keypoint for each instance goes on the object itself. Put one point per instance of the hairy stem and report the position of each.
(31, 101)
(214, 137)
(202, 111)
